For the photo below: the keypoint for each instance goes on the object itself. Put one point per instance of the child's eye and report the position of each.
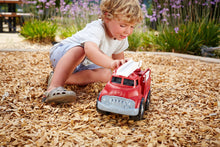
(122, 26)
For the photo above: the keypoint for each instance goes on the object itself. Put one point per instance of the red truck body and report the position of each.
(126, 95)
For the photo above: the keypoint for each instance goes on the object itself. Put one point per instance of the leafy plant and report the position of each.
(67, 31)
(148, 43)
(134, 41)
(187, 39)
(177, 12)
(81, 11)
(140, 41)
(210, 34)
(39, 31)
(185, 25)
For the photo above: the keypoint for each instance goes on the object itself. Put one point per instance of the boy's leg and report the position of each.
(66, 66)
(89, 76)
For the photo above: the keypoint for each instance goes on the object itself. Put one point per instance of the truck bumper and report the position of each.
(117, 105)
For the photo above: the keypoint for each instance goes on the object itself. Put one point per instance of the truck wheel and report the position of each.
(100, 111)
(148, 101)
(141, 111)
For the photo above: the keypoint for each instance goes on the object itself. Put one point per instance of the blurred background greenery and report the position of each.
(181, 26)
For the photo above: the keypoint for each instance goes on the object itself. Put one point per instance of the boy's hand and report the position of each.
(116, 63)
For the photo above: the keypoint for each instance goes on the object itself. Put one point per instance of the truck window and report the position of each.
(128, 82)
(116, 80)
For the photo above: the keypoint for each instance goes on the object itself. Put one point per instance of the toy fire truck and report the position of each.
(128, 92)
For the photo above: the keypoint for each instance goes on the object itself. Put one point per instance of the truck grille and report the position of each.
(118, 102)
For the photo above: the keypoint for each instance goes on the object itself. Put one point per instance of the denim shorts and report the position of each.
(57, 52)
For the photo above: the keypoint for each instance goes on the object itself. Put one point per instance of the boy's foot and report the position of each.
(59, 95)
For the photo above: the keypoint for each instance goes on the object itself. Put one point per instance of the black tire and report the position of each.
(148, 101)
(141, 111)
(98, 110)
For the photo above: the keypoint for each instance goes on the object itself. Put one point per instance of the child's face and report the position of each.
(118, 29)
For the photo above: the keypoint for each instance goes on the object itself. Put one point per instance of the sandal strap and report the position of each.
(58, 91)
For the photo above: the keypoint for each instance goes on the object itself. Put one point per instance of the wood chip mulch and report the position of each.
(184, 109)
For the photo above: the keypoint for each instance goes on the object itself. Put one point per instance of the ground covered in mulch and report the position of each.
(184, 108)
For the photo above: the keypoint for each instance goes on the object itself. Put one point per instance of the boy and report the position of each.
(89, 55)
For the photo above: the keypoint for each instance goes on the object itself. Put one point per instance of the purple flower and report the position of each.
(176, 29)
(190, 3)
(159, 6)
(43, 1)
(164, 10)
(173, 6)
(205, 4)
(213, 3)
(41, 11)
(34, 2)
(153, 19)
(38, 6)
(164, 20)
(47, 4)
(165, 4)
(178, 2)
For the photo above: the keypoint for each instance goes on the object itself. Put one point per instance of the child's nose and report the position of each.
(128, 31)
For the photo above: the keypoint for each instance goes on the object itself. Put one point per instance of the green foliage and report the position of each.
(189, 38)
(140, 41)
(175, 13)
(210, 34)
(67, 31)
(148, 38)
(39, 31)
(197, 24)
(134, 41)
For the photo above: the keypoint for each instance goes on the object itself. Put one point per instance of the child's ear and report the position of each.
(108, 16)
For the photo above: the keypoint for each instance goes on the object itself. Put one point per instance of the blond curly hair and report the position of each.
(126, 10)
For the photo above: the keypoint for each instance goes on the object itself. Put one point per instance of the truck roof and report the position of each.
(134, 75)
(128, 68)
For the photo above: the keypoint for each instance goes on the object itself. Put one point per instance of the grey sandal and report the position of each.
(59, 95)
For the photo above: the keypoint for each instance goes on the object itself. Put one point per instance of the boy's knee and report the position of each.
(78, 49)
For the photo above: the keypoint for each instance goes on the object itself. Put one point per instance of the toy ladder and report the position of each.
(128, 68)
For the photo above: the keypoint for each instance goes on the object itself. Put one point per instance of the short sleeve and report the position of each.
(93, 32)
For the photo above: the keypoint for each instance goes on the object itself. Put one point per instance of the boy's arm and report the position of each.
(99, 58)
(118, 56)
